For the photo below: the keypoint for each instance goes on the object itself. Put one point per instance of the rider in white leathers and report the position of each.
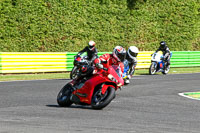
(131, 57)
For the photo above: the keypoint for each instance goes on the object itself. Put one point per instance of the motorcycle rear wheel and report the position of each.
(100, 101)
(63, 98)
(152, 69)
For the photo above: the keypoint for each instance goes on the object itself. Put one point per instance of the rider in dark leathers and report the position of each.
(91, 51)
(166, 52)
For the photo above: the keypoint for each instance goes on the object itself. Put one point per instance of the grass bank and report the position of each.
(67, 25)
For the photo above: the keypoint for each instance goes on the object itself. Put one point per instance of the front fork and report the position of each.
(155, 65)
(104, 87)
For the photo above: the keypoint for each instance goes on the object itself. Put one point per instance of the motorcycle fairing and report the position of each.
(98, 79)
(105, 87)
(88, 88)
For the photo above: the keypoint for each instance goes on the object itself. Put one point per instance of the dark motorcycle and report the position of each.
(79, 61)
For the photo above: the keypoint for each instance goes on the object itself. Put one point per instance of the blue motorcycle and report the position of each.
(158, 65)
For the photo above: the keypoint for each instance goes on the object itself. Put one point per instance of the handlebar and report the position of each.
(100, 66)
(106, 69)
(77, 56)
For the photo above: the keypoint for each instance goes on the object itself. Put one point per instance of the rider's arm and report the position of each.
(167, 53)
(157, 50)
(102, 59)
(96, 52)
(132, 67)
(82, 51)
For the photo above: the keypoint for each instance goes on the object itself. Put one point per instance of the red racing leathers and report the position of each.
(107, 60)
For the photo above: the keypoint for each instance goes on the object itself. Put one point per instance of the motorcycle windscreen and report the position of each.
(116, 71)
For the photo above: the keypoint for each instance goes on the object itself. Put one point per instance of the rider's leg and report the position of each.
(167, 62)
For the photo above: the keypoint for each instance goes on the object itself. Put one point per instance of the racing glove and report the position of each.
(99, 65)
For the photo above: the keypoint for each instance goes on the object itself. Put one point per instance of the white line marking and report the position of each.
(182, 94)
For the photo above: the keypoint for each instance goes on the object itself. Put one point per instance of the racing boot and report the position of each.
(126, 81)
(166, 65)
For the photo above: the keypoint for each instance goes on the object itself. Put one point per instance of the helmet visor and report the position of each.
(91, 47)
(162, 46)
(121, 56)
(133, 54)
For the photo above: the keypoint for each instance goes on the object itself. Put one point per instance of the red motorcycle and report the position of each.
(98, 90)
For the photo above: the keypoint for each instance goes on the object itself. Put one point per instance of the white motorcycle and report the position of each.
(158, 65)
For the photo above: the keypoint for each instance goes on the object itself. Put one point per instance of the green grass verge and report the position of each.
(66, 75)
(10, 77)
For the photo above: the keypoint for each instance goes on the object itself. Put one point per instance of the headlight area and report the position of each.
(119, 84)
(111, 77)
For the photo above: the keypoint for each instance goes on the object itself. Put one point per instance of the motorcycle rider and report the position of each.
(103, 62)
(131, 57)
(116, 58)
(166, 52)
(91, 51)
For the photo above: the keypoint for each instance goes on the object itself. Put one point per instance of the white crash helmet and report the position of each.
(91, 45)
(119, 53)
(133, 51)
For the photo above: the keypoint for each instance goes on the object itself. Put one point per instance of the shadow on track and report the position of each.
(63, 79)
(72, 106)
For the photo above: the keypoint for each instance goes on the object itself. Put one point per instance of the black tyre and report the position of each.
(167, 68)
(63, 98)
(74, 72)
(152, 69)
(100, 101)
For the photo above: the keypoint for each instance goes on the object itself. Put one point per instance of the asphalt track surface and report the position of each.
(149, 104)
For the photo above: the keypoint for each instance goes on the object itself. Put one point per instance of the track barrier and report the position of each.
(33, 62)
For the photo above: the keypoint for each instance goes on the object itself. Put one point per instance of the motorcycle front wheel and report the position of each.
(100, 100)
(63, 98)
(166, 69)
(74, 72)
(152, 69)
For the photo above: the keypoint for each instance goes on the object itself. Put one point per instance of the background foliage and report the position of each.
(67, 25)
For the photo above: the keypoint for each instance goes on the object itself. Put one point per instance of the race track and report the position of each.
(150, 104)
